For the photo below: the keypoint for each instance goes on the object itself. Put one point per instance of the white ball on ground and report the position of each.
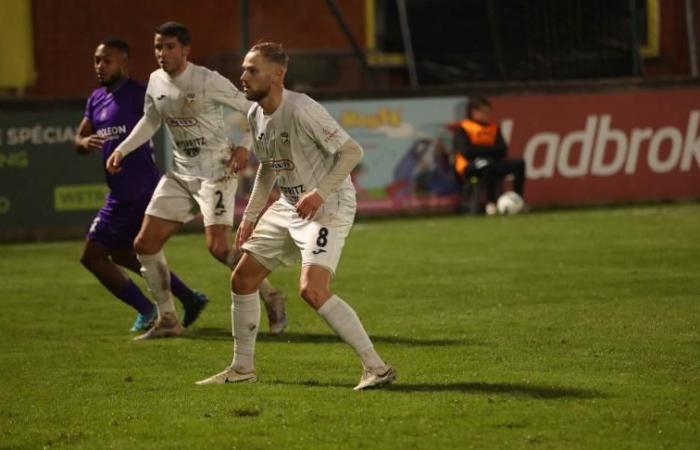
(510, 203)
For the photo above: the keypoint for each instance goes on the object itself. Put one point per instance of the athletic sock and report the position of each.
(245, 321)
(154, 269)
(344, 321)
(266, 289)
(132, 296)
(181, 290)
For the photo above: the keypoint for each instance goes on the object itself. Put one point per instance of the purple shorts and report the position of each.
(116, 225)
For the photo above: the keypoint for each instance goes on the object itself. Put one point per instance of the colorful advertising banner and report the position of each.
(606, 147)
(579, 149)
(407, 164)
(44, 182)
(583, 148)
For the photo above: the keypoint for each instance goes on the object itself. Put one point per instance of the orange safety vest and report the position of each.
(479, 135)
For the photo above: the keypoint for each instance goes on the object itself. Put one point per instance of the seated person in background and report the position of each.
(481, 151)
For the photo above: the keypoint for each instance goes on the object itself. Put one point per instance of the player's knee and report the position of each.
(92, 263)
(144, 246)
(88, 262)
(219, 251)
(241, 283)
(313, 294)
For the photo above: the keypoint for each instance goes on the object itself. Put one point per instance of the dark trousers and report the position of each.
(494, 172)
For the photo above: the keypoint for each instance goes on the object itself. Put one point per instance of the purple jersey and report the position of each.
(113, 115)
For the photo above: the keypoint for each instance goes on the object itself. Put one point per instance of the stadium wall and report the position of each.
(66, 32)
(581, 148)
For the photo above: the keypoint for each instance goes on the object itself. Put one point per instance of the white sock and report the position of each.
(344, 321)
(154, 269)
(245, 321)
(266, 289)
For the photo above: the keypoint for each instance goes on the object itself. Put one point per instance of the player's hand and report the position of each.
(114, 162)
(238, 160)
(245, 229)
(92, 142)
(308, 205)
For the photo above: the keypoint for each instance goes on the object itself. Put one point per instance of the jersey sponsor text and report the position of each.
(182, 121)
(293, 192)
(279, 165)
(191, 146)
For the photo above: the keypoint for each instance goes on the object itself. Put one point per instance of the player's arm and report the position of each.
(330, 137)
(86, 141)
(345, 160)
(144, 130)
(223, 92)
(264, 182)
(238, 159)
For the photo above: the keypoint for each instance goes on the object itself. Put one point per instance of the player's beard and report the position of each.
(256, 95)
(111, 81)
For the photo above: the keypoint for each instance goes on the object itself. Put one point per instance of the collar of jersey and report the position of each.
(180, 76)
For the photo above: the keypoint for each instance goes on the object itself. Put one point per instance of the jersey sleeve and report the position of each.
(315, 121)
(222, 91)
(264, 182)
(150, 112)
(145, 128)
(88, 110)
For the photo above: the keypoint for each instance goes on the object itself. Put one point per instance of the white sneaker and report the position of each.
(491, 209)
(376, 378)
(229, 376)
(165, 326)
(276, 312)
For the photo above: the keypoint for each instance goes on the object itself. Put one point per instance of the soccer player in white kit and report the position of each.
(302, 147)
(189, 99)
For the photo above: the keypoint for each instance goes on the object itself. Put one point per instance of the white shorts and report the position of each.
(179, 199)
(281, 236)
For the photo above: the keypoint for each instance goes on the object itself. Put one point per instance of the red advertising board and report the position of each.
(589, 148)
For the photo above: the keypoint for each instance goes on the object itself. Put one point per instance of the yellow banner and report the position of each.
(17, 70)
(79, 197)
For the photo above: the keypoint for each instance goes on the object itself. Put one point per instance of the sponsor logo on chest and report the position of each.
(191, 147)
(182, 122)
(281, 165)
(112, 132)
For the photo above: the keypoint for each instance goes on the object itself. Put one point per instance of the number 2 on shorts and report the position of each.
(219, 209)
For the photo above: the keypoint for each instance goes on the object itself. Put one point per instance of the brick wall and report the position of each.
(673, 41)
(67, 31)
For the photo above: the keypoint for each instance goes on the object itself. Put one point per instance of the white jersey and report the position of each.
(191, 106)
(299, 141)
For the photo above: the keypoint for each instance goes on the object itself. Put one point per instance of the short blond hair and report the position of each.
(273, 52)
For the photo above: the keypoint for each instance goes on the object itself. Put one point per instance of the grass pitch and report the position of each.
(561, 330)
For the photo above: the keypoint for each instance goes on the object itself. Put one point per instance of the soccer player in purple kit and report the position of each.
(111, 113)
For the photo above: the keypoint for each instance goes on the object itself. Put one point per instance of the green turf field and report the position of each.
(557, 330)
